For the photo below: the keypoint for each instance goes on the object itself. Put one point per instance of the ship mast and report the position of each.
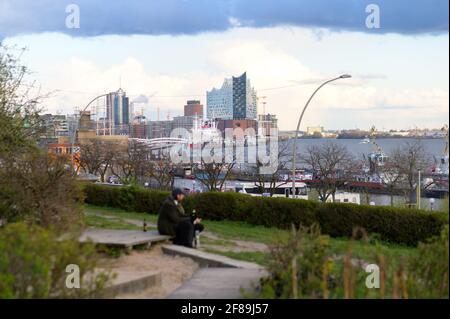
(445, 130)
(376, 147)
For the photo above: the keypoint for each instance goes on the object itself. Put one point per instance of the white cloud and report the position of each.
(273, 58)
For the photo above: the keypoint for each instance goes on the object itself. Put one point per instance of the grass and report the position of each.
(101, 222)
(116, 212)
(231, 230)
(244, 231)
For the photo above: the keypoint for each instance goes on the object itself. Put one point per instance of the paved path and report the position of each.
(127, 282)
(221, 277)
(219, 283)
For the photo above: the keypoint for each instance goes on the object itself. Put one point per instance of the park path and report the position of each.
(219, 283)
(218, 276)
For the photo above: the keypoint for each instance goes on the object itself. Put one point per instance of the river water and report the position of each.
(433, 147)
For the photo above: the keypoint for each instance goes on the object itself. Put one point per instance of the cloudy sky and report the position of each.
(165, 52)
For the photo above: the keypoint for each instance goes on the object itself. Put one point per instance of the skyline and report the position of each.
(400, 71)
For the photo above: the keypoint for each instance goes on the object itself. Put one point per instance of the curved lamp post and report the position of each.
(78, 121)
(344, 76)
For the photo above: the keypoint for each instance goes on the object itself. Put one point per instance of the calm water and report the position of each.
(434, 147)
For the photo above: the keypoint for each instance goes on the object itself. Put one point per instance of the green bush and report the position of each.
(129, 198)
(304, 265)
(33, 263)
(397, 225)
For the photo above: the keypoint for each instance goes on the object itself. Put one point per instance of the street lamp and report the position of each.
(419, 184)
(344, 76)
(78, 122)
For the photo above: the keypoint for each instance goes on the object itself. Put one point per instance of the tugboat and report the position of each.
(377, 159)
(440, 171)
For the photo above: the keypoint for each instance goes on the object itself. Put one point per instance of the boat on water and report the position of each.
(440, 170)
(377, 159)
(280, 189)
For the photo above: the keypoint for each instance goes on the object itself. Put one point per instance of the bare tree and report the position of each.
(332, 165)
(408, 159)
(91, 156)
(261, 179)
(163, 172)
(390, 175)
(34, 185)
(40, 188)
(131, 163)
(214, 174)
(20, 123)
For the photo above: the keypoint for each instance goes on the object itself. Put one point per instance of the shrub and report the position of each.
(428, 271)
(129, 198)
(33, 264)
(398, 225)
(304, 266)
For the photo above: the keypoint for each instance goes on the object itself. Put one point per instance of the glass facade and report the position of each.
(235, 100)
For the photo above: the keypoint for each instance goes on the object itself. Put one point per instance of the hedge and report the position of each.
(397, 225)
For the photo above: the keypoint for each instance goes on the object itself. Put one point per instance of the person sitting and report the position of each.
(173, 221)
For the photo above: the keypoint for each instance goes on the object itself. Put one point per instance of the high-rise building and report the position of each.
(118, 112)
(193, 108)
(236, 99)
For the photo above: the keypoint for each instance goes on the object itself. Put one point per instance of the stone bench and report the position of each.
(127, 239)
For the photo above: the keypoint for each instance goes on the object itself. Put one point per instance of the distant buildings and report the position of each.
(235, 100)
(244, 124)
(193, 111)
(55, 125)
(314, 130)
(139, 128)
(193, 108)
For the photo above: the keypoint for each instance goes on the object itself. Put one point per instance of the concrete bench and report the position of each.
(122, 238)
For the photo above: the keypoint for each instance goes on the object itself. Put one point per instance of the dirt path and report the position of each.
(174, 270)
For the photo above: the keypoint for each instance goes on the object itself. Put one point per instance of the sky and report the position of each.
(163, 53)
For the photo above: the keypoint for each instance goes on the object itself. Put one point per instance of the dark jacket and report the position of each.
(170, 215)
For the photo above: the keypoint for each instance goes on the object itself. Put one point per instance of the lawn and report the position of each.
(227, 231)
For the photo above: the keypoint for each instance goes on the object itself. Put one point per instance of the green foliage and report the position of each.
(129, 198)
(34, 186)
(305, 266)
(19, 115)
(33, 264)
(397, 225)
(428, 271)
(39, 188)
(298, 266)
(445, 205)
